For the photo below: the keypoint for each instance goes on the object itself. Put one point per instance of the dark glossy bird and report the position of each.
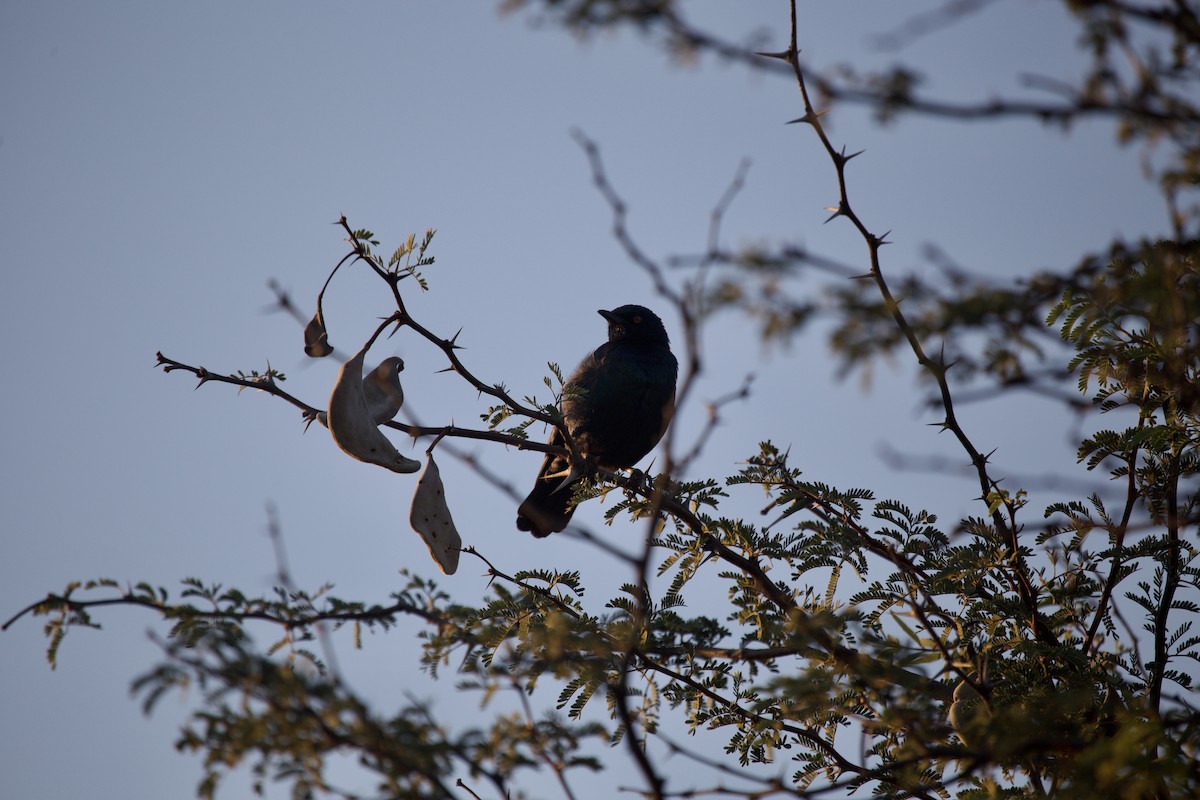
(617, 405)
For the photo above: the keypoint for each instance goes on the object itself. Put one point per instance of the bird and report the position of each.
(616, 405)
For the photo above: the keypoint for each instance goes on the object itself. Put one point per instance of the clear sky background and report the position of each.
(160, 162)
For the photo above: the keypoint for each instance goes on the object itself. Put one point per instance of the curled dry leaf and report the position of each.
(352, 426)
(430, 517)
(316, 338)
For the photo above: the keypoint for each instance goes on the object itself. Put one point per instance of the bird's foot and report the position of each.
(639, 479)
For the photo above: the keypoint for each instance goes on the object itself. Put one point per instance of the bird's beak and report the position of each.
(610, 316)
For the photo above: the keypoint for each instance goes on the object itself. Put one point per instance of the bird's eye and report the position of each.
(637, 319)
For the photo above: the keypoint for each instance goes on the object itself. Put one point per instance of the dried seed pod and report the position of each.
(970, 716)
(316, 338)
(351, 425)
(430, 517)
(381, 390)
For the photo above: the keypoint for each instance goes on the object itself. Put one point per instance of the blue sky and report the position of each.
(159, 163)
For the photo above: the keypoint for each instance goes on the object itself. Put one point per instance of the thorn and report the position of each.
(572, 474)
(447, 369)
(782, 55)
(880, 241)
(841, 158)
(562, 473)
(810, 117)
(837, 212)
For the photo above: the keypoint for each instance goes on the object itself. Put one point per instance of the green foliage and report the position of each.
(404, 262)
(850, 642)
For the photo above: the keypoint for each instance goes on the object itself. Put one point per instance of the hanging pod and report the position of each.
(352, 425)
(430, 517)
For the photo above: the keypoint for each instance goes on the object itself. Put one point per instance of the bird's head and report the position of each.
(635, 324)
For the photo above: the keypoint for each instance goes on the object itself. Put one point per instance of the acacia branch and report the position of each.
(64, 602)
(1171, 574)
(937, 368)
(1118, 546)
(869, 668)
(631, 652)
(268, 385)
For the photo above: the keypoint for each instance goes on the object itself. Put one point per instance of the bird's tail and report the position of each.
(548, 507)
